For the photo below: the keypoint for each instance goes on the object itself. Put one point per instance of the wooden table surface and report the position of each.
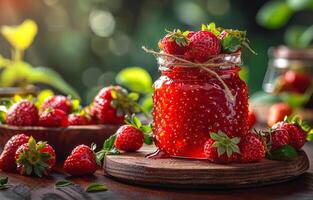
(36, 188)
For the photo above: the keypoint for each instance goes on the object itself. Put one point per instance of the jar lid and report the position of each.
(292, 54)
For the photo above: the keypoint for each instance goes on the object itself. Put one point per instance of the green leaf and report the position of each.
(148, 139)
(63, 183)
(109, 143)
(220, 150)
(285, 152)
(146, 128)
(300, 4)
(235, 140)
(23, 73)
(136, 79)
(309, 136)
(136, 121)
(231, 44)
(274, 14)
(52, 78)
(32, 144)
(133, 96)
(96, 187)
(215, 136)
(76, 106)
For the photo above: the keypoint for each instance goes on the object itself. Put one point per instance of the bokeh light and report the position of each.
(102, 23)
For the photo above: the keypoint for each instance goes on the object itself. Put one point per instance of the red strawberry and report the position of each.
(35, 158)
(53, 118)
(129, 138)
(81, 161)
(7, 160)
(111, 104)
(79, 119)
(296, 134)
(278, 138)
(22, 113)
(277, 112)
(57, 102)
(299, 81)
(252, 148)
(251, 118)
(221, 149)
(203, 45)
(174, 43)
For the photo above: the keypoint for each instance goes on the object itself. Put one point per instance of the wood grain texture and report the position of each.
(184, 173)
(62, 139)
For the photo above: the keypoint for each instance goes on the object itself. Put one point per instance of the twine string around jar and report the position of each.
(214, 62)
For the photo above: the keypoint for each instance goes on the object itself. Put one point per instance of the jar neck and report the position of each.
(180, 72)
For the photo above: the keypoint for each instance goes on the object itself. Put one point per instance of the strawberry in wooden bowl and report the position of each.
(61, 120)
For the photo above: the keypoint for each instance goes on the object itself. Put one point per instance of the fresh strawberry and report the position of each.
(79, 119)
(7, 160)
(53, 118)
(111, 104)
(129, 138)
(277, 138)
(277, 112)
(296, 134)
(174, 43)
(35, 158)
(251, 118)
(221, 149)
(57, 102)
(299, 81)
(81, 161)
(203, 45)
(252, 148)
(22, 113)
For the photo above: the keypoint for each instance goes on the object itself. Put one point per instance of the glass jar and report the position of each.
(190, 103)
(282, 61)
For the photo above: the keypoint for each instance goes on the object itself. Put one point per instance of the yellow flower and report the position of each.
(21, 36)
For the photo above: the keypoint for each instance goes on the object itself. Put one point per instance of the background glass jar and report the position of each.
(290, 71)
(190, 103)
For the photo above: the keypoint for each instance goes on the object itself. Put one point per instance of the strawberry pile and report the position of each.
(109, 107)
(24, 155)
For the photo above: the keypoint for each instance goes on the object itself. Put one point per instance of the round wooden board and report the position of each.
(185, 173)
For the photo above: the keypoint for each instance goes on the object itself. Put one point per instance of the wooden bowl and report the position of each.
(62, 139)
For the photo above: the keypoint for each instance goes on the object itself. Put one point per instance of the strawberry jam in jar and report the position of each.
(190, 103)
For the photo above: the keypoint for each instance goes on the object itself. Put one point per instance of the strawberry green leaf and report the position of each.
(32, 144)
(309, 136)
(96, 187)
(146, 128)
(148, 139)
(285, 152)
(63, 183)
(230, 44)
(220, 150)
(109, 143)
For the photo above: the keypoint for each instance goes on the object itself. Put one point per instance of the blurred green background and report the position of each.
(89, 41)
